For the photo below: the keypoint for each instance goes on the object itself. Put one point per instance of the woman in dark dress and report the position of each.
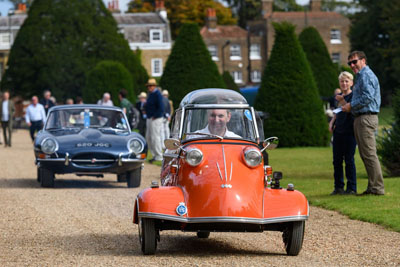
(344, 142)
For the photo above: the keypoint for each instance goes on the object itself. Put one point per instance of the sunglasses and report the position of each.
(353, 62)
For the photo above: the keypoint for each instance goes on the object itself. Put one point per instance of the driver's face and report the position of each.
(217, 120)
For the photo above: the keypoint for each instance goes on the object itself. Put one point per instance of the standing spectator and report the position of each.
(365, 106)
(344, 142)
(106, 100)
(131, 112)
(46, 101)
(35, 116)
(140, 105)
(124, 102)
(69, 101)
(7, 115)
(154, 123)
(79, 100)
(167, 116)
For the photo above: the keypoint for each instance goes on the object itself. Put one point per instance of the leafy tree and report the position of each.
(325, 73)
(370, 32)
(59, 42)
(389, 149)
(289, 94)
(111, 77)
(186, 11)
(189, 65)
(228, 80)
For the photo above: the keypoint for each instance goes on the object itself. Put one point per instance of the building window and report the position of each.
(256, 76)
(237, 76)
(255, 52)
(335, 57)
(156, 67)
(156, 36)
(4, 39)
(213, 52)
(335, 37)
(235, 52)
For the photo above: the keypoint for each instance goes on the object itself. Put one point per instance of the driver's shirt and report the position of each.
(227, 132)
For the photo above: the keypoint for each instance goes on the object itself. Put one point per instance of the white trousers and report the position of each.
(154, 137)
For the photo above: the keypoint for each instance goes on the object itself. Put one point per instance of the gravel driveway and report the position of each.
(87, 221)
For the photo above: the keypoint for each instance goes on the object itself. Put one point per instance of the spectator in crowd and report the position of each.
(79, 100)
(365, 106)
(155, 114)
(140, 105)
(7, 110)
(167, 116)
(69, 101)
(35, 117)
(124, 102)
(106, 100)
(344, 142)
(46, 101)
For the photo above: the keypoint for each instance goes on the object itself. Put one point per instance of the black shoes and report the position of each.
(350, 192)
(337, 191)
(369, 192)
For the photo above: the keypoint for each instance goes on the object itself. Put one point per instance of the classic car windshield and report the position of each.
(102, 119)
(219, 123)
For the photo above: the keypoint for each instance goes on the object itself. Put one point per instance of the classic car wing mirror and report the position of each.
(270, 143)
(172, 143)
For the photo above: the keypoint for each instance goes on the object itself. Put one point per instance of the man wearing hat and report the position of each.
(140, 105)
(154, 124)
(167, 115)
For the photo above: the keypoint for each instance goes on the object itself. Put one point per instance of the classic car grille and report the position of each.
(93, 159)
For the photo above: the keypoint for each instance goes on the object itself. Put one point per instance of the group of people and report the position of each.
(354, 123)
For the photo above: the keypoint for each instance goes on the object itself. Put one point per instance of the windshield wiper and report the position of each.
(207, 134)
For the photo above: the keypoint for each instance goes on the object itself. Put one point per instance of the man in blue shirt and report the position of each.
(365, 106)
(154, 124)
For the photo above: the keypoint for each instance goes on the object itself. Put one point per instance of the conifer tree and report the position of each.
(324, 71)
(229, 82)
(59, 42)
(111, 77)
(189, 66)
(289, 94)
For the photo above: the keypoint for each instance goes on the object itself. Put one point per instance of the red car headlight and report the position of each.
(194, 157)
(252, 157)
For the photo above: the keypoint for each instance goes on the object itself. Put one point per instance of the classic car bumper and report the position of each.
(67, 164)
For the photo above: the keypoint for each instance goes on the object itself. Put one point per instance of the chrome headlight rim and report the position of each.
(194, 161)
(43, 145)
(248, 157)
(136, 151)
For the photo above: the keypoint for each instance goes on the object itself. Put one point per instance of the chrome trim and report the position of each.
(120, 159)
(217, 106)
(140, 141)
(223, 156)
(255, 124)
(88, 160)
(222, 219)
(53, 159)
(170, 155)
(49, 138)
(230, 176)
(219, 171)
(181, 123)
(67, 159)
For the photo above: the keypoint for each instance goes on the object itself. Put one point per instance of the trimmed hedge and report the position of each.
(325, 72)
(108, 76)
(229, 82)
(289, 94)
(189, 66)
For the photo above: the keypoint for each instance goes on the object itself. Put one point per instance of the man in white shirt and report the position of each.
(6, 115)
(106, 100)
(217, 120)
(35, 116)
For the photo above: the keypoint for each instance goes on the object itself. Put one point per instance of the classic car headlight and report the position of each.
(252, 157)
(135, 146)
(194, 157)
(49, 145)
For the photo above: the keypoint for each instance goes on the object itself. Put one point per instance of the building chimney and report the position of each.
(211, 19)
(160, 8)
(113, 6)
(315, 5)
(21, 8)
(267, 7)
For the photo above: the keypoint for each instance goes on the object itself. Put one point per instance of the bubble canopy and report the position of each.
(213, 96)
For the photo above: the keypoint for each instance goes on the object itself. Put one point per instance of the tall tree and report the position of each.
(324, 71)
(189, 66)
(186, 11)
(289, 94)
(59, 42)
(369, 32)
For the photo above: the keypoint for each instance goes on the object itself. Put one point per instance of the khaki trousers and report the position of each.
(365, 127)
(154, 137)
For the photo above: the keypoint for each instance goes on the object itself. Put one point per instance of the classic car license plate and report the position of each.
(93, 144)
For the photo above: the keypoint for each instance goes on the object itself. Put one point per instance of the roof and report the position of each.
(221, 31)
(213, 96)
(139, 18)
(83, 106)
(301, 14)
